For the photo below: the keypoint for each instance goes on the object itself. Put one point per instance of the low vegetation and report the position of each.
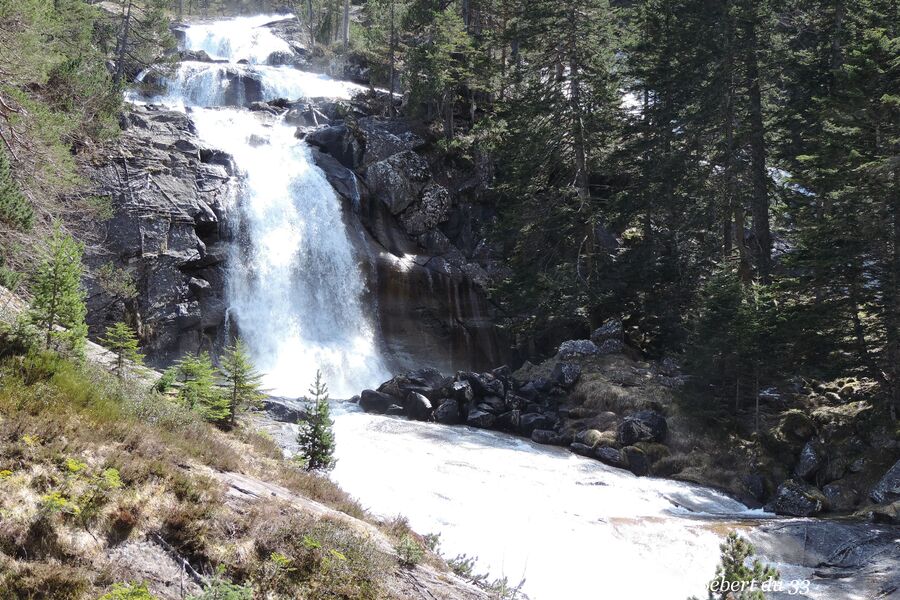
(92, 462)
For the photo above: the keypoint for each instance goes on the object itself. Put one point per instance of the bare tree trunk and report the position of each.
(311, 24)
(346, 24)
(122, 49)
(392, 58)
(759, 201)
(582, 176)
(892, 301)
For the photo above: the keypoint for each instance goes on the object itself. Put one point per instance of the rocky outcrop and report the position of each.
(166, 235)
(428, 263)
(531, 407)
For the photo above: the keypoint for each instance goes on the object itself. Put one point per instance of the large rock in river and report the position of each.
(375, 402)
(418, 407)
(448, 413)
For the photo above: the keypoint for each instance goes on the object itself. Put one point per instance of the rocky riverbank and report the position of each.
(598, 402)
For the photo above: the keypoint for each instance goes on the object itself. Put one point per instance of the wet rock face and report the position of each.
(169, 198)
(425, 274)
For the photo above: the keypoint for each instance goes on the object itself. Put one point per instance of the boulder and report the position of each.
(536, 388)
(305, 116)
(550, 437)
(610, 330)
(395, 410)
(887, 513)
(841, 496)
(581, 449)
(385, 138)
(493, 404)
(797, 499)
(611, 456)
(611, 347)
(504, 374)
(418, 407)
(342, 179)
(448, 413)
(281, 58)
(887, 490)
(514, 402)
(575, 348)
(565, 374)
(195, 55)
(637, 460)
(480, 419)
(795, 426)
(589, 437)
(265, 107)
(531, 421)
(281, 412)
(427, 382)
(375, 402)
(399, 180)
(509, 421)
(643, 426)
(484, 384)
(339, 142)
(462, 392)
(811, 460)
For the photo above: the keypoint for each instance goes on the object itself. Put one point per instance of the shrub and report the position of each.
(128, 591)
(409, 552)
(220, 588)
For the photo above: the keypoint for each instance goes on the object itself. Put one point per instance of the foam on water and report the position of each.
(573, 527)
(236, 39)
(294, 286)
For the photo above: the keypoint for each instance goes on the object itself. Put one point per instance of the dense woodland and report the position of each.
(722, 175)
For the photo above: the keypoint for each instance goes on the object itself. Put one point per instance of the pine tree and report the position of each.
(58, 298)
(736, 552)
(15, 210)
(439, 66)
(244, 383)
(554, 133)
(199, 390)
(316, 438)
(121, 340)
(849, 238)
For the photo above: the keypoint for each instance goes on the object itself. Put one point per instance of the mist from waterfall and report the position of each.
(295, 289)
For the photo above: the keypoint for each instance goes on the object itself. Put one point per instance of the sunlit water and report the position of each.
(572, 527)
(295, 289)
(569, 526)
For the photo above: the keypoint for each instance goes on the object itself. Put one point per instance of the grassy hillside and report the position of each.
(105, 483)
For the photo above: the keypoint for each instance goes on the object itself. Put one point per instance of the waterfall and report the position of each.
(295, 289)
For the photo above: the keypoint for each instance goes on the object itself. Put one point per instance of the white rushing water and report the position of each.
(295, 289)
(572, 527)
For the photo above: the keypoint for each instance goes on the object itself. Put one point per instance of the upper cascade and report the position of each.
(241, 48)
(241, 38)
(293, 286)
